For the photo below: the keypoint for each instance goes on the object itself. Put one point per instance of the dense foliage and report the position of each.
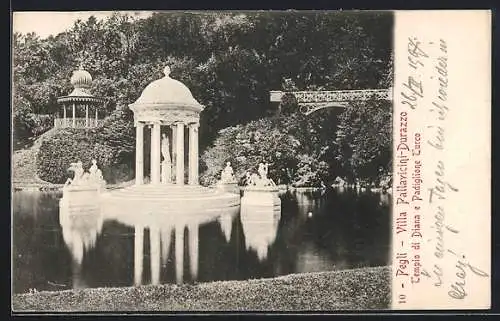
(230, 61)
(309, 150)
(364, 139)
(112, 147)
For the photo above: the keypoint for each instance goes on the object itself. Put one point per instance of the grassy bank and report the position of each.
(366, 288)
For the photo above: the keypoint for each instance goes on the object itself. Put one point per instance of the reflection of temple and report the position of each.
(260, 226)
(80, 228)
(160, 239)
(161, 229)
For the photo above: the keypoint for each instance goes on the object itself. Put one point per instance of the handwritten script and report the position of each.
(425, 90)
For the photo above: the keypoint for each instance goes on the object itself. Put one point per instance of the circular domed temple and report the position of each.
(168, 112)
(167, 105)
(80, 99)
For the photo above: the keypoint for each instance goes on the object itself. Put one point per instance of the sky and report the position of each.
(45, 24)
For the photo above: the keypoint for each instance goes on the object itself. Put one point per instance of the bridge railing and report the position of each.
(334, 95)
(79, 123)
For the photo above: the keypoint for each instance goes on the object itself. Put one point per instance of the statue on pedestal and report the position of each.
(95, 174)
(263, 170)
(79, 177)
(166, 164)
(93, 169)
(261, 179)
(82, 178)
(227, 175)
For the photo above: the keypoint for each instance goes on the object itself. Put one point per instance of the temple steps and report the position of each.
(188, 202)
(169, 192)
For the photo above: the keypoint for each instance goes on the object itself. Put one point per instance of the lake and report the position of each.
(328, 231)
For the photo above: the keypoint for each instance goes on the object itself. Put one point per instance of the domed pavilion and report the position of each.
(167, 111)
(80, 100)
(167, 106)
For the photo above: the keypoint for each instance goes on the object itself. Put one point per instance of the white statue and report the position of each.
(77, 169)
(263, 170)
(93, 169)
(94, 176)
(166, 164)
(261, 179)
(227, 175)
(165, 149)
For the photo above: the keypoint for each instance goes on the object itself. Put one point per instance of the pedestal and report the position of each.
(261, 196)
(166, 172)
(229, 187)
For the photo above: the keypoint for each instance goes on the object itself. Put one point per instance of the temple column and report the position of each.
(139, 153)
(155, 153)
(193, 154)
(179, 253)
(74, 112)
(154, 237)
(64, 115)
(174, 151)
(179, 164)
(138, 254)
(86, 115)
(193, 250)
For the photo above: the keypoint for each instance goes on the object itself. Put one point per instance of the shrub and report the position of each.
(266, 140)
(42, 123)
(310, 172)
(111, 145)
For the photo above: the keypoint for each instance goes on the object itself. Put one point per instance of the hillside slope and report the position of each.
(24, 170)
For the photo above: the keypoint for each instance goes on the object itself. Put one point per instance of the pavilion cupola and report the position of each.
(83, 105)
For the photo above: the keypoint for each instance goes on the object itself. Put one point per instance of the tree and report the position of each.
(281, 142)
(364, 138)
(230, 62)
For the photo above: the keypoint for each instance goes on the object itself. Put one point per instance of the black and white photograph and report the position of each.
(202, 161)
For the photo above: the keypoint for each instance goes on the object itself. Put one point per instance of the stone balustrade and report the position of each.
(77, 123)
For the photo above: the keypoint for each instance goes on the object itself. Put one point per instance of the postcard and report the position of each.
(264, 161)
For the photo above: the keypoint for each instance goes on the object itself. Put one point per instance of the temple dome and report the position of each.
(167, 91)
(81, 79)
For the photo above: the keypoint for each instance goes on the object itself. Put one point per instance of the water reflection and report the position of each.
(309, 203)
(160, 228)
(80, 228)
(260, 226)
(385, 199)
(82, 246)
(226, 223)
